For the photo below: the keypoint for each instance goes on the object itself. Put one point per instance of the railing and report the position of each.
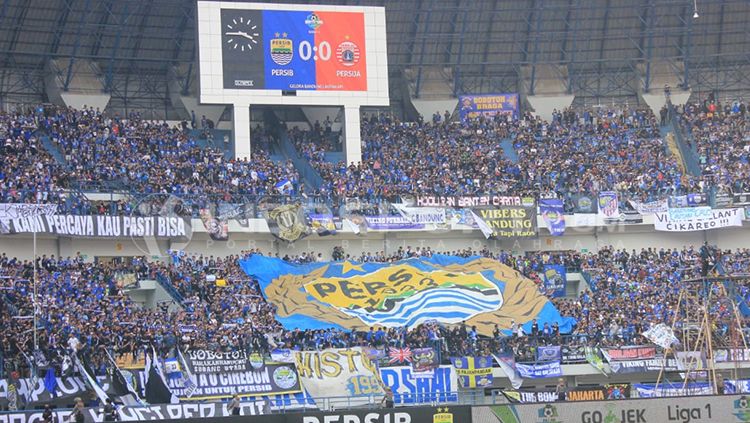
(688, 155)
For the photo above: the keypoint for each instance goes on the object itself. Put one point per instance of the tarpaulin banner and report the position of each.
(661, 335)
(554, 215)
(207, 361)
(584, 203)
(573, 354)
(100, 226)
(651, 207)
(617, 391)
(609, 205)
(459, 201)
(689, 200)
(448, 289)
(539, 371)
(598, 393)
(322, 224)
(548, 353)
(218, 229)
(509, 221)
(422, 215)
(339, 373)
(272, 379)
(732, 354)
(488, 105)
(389, 222)
(555, 280)
(10, 211)
(442, 414)
(409, 387)
(629, 353)
(640, 366)
(697, 219)
(424, 360)
(648, 390)
(287, 222)
(473, 372)
(530, 397)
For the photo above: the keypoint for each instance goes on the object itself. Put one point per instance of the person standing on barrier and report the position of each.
(77, 414)
(235, 406)
(110, 411)
(47, 414)
(388, 398)
(561, 389)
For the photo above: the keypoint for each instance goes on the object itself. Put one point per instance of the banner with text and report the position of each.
(697, 219)
(460, 201)
(100, 226)
(554, 215)
(539, 371)
(339, 373)
(487, 105)
(410, 387)
(509, 222)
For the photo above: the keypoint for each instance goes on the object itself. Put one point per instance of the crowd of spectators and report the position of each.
(83, 306)
(719, 136)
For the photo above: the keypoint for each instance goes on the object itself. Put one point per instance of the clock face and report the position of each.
(241, 34)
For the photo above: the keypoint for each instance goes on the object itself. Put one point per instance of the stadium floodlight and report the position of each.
(696, 15)
(695, 9)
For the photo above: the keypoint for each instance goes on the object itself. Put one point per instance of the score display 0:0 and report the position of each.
(307, 51)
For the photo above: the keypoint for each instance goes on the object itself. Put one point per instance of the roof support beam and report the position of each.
(84, 18)
(61, 22)
(109, 76)
(100, 30)
(422, 49)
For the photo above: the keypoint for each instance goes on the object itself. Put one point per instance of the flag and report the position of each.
(50, 381)
(67, 366)
(473, 372)
(283, 186)
(351, 226)
(424, 360)
(157, 391)
(188, 381)
(87, 374)
(32, 369)
(172, 368)
(553, 214)
(120, 386)
(221, 282)
(661, 335)
(609, 205)
(593, 358)
(399, 355)
(483, 226)
(508, 364)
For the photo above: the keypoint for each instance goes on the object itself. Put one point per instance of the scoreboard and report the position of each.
(293, 50)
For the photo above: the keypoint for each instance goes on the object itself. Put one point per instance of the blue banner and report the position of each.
(555, 280)
(553, 215)
(473, 372)
(473, 106)
(355, 296)
(539, 371)
(409, 387)
(548, 353)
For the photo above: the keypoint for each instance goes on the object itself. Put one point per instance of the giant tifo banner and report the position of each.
(449, 289)
(473, 106)
(697, 219)
(99, 226)
(340, 373)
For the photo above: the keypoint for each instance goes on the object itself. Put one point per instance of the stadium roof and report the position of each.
(482, 44)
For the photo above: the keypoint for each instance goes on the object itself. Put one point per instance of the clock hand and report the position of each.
(240, 33)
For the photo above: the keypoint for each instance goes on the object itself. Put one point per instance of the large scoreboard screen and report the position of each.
(294, 50)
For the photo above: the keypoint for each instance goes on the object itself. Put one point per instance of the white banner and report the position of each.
(651, 207)
(343, 373)
(697, 219)
(661, 335)
(423, 215)
(10, 211)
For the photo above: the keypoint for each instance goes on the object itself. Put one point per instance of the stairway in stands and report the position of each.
(52, 149)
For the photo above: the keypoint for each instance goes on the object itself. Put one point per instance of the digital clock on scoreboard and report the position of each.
(293, 50)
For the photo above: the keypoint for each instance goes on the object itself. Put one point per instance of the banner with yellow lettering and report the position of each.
(346, 374)
(507, 221)
(355, 296)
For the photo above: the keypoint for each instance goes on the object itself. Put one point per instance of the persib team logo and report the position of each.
(443, 415)
(347, 53)
(282, 49)
(313, 21)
